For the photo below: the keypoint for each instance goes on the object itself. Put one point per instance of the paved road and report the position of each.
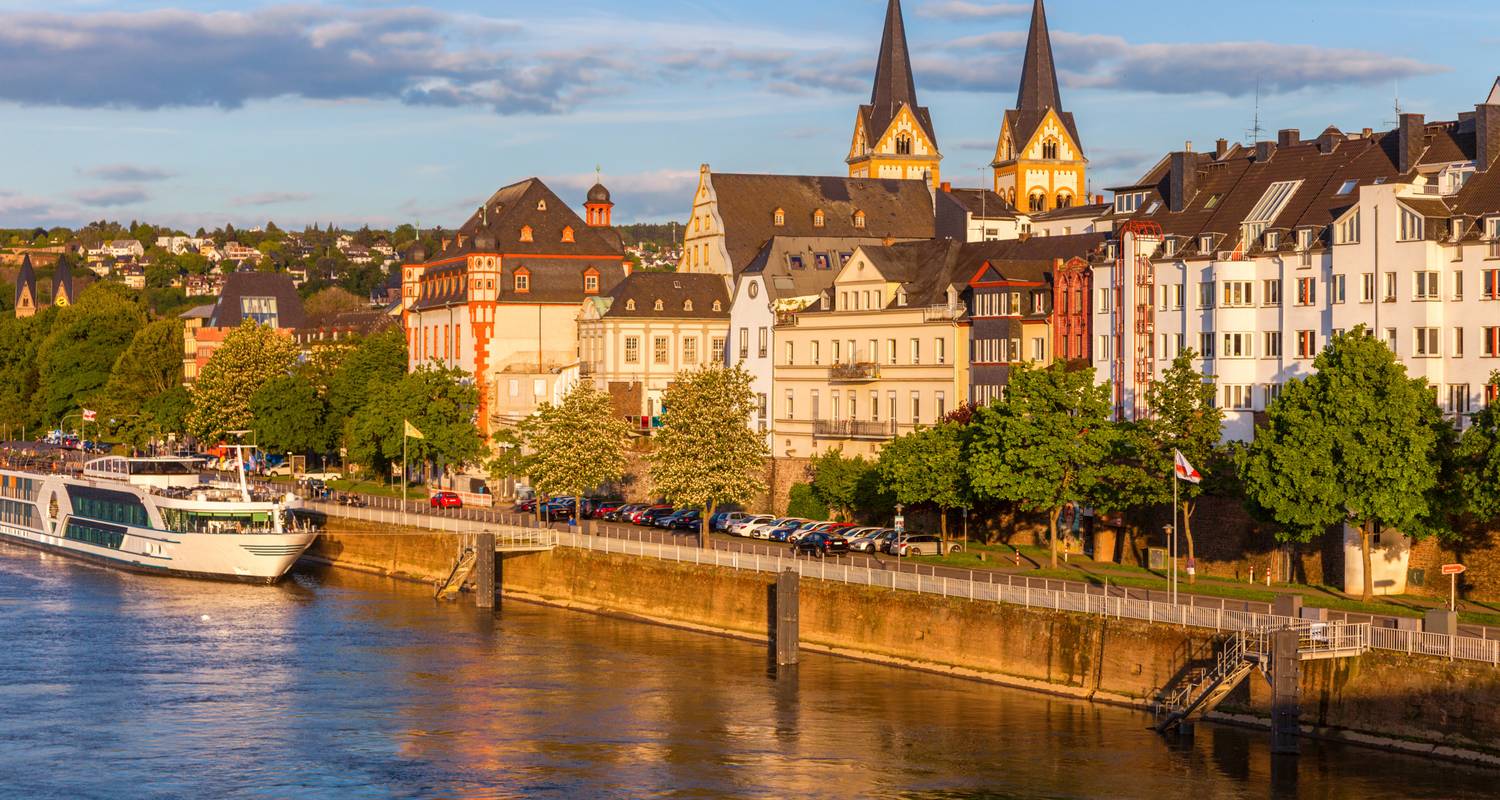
(999, 574)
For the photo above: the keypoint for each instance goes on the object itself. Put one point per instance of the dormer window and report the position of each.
(523, 281)
(526, 233)
(718, 306)
(780, 217)
(1306, 237)
(901, 297)
(630, 305)
(541, 205)
(1492, 229)
(567, 235)
(1273, 240)
(818, 218)
(1206, 243)
(859, 219)
(1169, 247)
(591, 282)
(687, 305)
(658, 305)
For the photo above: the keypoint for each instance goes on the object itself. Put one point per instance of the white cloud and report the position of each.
(112, 197)
(964, 10)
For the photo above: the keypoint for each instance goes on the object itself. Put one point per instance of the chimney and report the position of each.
(1329, 141)
(1288, 137)
(1182, 181)
(1486, 136)
(1367, 133)
(947, 187)
(1221, 148)
(1188, 145)
(1264, 151)
(1098, 199)
(1409, 141)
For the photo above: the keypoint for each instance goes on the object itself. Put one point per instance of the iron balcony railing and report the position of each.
(861, 371)
(853, 429)
(939, 313)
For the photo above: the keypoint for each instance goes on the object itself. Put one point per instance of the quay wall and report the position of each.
(1424, 705)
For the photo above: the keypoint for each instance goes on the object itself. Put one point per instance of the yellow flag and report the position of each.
(412, 432)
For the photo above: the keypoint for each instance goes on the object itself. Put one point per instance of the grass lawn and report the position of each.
(1082, 568)
(415, 491)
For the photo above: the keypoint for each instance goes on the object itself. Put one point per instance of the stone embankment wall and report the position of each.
(1421, 704)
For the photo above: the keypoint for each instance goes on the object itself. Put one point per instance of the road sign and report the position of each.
(900, 524)
(1454, 569)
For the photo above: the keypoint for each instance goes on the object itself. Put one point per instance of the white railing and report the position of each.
(1218, 619)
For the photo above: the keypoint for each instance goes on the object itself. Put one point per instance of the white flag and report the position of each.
(1184, 470)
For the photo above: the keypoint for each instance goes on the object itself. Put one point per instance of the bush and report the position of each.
(802, 503)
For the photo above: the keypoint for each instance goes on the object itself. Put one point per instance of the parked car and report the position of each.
(742, 528)
(558, 509)
(649, 517)
(763, 530)
(526, 506)
(666, 520)
(924, 544)
(722, 520)
(783, 533)
(871, 542)
(690, 520)
(442, 500)
(622, 514)
(604, 508)
(820, 544)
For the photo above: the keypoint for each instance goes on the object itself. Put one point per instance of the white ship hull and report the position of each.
(248, 558)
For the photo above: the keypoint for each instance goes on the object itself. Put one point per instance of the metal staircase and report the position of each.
(1243, 652)
(462, 569)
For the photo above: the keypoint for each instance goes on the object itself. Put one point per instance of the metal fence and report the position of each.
(1027, 596)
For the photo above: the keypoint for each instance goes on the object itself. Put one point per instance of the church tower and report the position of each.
(26, 289)
(1039, 164)
(893, 136)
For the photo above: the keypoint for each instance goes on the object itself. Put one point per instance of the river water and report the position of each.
(340, 686)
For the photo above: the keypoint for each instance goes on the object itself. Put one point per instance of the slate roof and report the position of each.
(529, 203)
(895, 209)
(550, 280)
(982, 203)
(894, 84)
(782, 281)
(25, 281)
(1038, 92)
(227, 311)
(674, 291)
(62, 280)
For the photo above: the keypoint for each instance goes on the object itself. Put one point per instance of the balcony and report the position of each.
(643, 424)
(941, 313)
(854, 373)
(853, 429)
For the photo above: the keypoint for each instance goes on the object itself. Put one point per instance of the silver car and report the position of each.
(742, 528)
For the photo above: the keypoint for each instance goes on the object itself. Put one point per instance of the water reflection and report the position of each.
(337, 685)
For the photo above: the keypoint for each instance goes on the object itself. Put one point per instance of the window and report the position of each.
(1272, 240)
(1238, 345)
(1492, 229)
(632, 349)
(940, 350)
(1490, 343)
(567, 234)
(718, 348)
(1307, 291)
(1206, 294)
(690, 350)
(1049, 149)
(791, 353)
(818, 218)
(903, 145)
(1268, 208)
(591, 282)
(1238, 294)
(789, 411)
(916, 351)
(1169, 246)
(522, 281)
(816, 359)
(890, 405)
(1212, 201)
(780, 218)
(874, 406)
(1272, 348)
(526, 233)
(1348, 186)
(813, 407)
(1104, 297)
(1367, 288)
(795, 262)
(262, 310)
(1390, 339)
(916, 408)
(1206, 243)
(859, 220)
(1271, 292)
(836, 404)
(1425, 343)
(1336, 290)
(1459, 401)
(1491, 280)
(1390, 287)
(1458, 342)
(515, 386)
(744, 343)
(1307, 344)
(1411, 225)
(1426, 284)
(1129, 202)
(1037, 202)
(1306, 237)
(1206, 345)
(630, 304)
(1458, 285)
(835, 352)
(765, 343)
(1347, 231)
(657, 306)
(1238, 397)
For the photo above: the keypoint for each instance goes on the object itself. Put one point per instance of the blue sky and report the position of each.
(200, 113)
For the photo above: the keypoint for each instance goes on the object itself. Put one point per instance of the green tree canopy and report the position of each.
(327, 304)
(575, 446)
(250, 356)
(379, 358)
(927, 466)
(439, 401)
(288, 416)
(75, 360)
(840, 482)
(1479, 462)
(1045, 445)
(706, 454)
(1183, 418)
(1357, 442)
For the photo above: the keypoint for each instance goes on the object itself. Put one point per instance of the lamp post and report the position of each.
(900, 533)
(1172, 549)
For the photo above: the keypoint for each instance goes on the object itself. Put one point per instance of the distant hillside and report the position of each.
(663, 234)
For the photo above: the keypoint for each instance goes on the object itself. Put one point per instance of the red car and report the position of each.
(446, 500)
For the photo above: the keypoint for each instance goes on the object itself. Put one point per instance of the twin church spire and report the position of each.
(1039, 164)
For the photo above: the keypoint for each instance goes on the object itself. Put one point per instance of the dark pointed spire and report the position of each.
(62, 281)
(1039, 73)
(894, 84)
(25, 287)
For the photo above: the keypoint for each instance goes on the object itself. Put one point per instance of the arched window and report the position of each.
(818, 218)
(687, 305)
(526, 233)
(697, 224)
(903, 145)
(541, 205)
(1038, 201)
(657, 306)
(629, 305)
(780, 217)
(1049, 148)
(567, 234)
(1064, 200)
(1007, 150)
(859, 219)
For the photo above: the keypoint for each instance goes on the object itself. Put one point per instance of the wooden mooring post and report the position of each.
(786, 614)
(1286, 693)
(484, 570)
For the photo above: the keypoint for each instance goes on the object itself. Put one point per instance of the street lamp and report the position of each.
(1171, 532)
(900, 525)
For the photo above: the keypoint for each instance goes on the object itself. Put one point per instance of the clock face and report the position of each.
(754, 289)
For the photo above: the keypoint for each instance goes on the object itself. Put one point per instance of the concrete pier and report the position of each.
(484, 570)
(788, 615)
(1286, 693)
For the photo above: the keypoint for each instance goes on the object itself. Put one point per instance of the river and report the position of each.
(334, 685)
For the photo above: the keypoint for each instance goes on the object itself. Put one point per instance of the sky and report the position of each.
(380, 113)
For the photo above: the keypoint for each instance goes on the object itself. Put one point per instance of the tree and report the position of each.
(327, 304)
(926, 466)
(75, 360)
(151, 364)
(288, 415)
(1183, 418)
(837, 481)
(19, 374)
(706, 455)
(439, 401)
(1043, 446)
(1479, 461)
(1357, 442)
(250, 356)
(377, 359)
(575, 446)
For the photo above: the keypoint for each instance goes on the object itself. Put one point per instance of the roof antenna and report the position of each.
(1255, 129)
(1397, 120)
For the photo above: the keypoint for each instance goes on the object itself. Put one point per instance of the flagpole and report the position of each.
(1174, 533)
(403, 474)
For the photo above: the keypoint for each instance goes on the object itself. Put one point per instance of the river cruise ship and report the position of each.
(158, 516)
